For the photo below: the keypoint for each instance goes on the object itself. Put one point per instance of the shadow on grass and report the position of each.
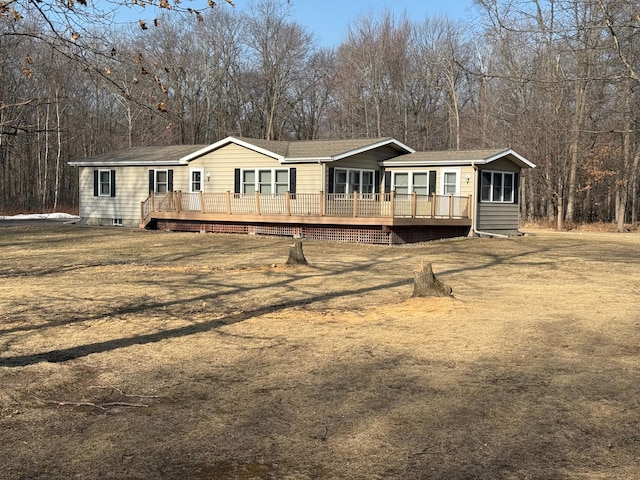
(65, 354)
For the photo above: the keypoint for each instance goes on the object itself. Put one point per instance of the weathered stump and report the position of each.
(425, 284)
(296, 255)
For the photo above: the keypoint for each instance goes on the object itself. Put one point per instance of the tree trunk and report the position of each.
(560, 215)
(425, 284)
(296, 256)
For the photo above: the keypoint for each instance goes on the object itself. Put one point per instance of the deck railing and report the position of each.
(311, 204)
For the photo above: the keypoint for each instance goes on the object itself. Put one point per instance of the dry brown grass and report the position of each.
(127, 354)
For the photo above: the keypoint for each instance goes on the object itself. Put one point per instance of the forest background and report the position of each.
(556, 80)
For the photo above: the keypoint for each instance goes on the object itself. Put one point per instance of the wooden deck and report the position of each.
(379, 209)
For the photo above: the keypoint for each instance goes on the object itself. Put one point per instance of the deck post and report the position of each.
(228, 202)
(355, 204)
(201, 196)
(258, 209)
(450, 206)
(153, 201)
(176, 200)
(433, 205)
(414, 200)
(142, 212)
(392, 203)
(288, 198)
(322, 204)
(469, 206)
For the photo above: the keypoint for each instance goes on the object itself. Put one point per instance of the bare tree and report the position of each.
(279, 49)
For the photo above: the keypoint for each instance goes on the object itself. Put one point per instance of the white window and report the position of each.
(265, 181)
(421, 183)
(197, 177)
(410, 182)
(449, 181)
(104, 183)
(162, 181)
(367, 182)
(349, 180)
(497, 187)
(401, 183)
(281, 181)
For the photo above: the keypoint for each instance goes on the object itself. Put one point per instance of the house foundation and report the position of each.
(376, 235)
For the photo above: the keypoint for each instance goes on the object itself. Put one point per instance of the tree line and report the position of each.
(557, 80)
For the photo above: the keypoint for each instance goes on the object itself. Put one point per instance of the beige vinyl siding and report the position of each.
(466, 189)
(132, 184)
(308, 178)
(221, 164)
(180, 177)
(132, 188)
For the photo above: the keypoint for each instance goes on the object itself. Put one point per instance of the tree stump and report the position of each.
(425, 284)
(296, 255)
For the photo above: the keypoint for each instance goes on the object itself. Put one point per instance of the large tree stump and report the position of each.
(425, 284)
(296, 255)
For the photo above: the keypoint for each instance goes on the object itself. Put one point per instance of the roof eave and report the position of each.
(306, 160)
(150, 163)
(430, 163)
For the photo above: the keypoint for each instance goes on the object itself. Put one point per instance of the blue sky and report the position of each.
(328, 19)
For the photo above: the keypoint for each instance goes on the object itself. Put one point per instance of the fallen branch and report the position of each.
(121, 392)
(78, 404)
(99, 406)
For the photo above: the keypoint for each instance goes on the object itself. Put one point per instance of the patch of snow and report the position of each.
(41, 216)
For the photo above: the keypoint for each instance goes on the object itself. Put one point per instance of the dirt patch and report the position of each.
(127, 354)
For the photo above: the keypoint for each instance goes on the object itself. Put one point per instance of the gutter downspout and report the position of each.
(474, 195)
(476, 204)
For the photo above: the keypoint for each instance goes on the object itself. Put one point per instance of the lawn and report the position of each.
(130, 354)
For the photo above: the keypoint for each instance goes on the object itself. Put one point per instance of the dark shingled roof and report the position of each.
(301, 149)
(141, 156)
(448, 156)
(457, 157)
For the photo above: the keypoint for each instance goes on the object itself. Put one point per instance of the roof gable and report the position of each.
(303, 150)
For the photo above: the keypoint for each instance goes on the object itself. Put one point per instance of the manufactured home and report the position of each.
(365, 190)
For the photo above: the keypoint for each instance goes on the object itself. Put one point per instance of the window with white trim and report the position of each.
(104, 183)
(349, 180)
(401, 183)
(196, 179)
(162, 181)
(421, 183)
(265, 181)
(410, 182)
(497, 187)
(449, 182)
